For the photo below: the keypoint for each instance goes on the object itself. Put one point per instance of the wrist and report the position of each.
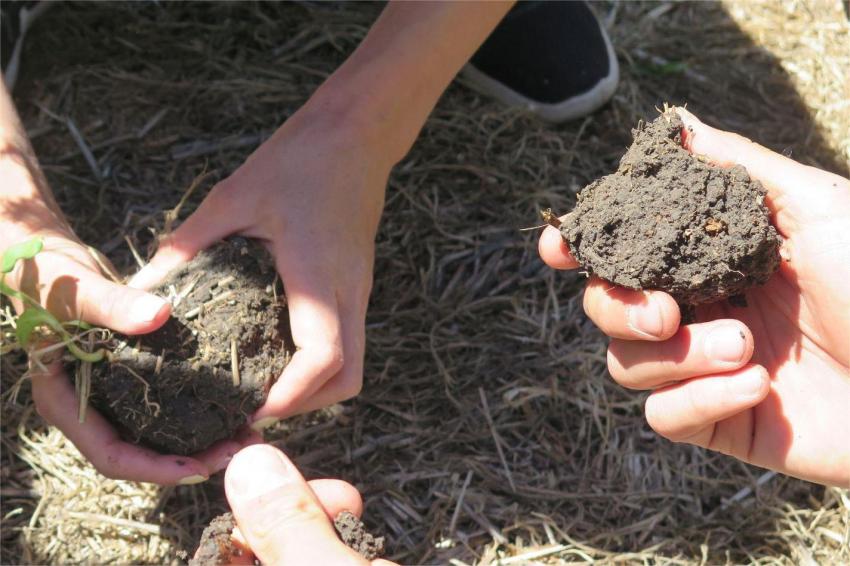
(356, 117)
(26, 210)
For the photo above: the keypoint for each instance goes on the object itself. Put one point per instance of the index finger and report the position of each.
(317, 333)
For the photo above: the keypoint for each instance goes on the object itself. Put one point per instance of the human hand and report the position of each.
(283, 519)
(770, 383)
(66, 279)
(313, 193)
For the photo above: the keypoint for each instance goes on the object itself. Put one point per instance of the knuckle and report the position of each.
(329, 358)
(351, 383)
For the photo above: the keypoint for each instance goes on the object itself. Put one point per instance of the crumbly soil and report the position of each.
(197, 379)
(216, 546)
(668, 220)
(353, 533)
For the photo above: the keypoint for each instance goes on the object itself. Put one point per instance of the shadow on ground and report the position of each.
(472, 342)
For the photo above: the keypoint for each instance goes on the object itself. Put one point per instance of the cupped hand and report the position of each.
(283, 519)
(313, 193)
(66, 279)
(769, 383)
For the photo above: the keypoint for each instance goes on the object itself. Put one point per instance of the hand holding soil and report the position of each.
(67, 279)
(314, 194)
(283, 519)
(767, 383)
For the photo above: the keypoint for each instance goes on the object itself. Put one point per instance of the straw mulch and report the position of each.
(488, 430)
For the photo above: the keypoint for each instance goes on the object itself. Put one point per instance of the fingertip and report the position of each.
(147, 313)
(671, 314)
(218, 456)
(755, 384)
(167, 258)
(554, 250)
(337, 496)
(257, 469)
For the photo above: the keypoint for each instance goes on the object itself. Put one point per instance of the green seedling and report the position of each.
(37, 317)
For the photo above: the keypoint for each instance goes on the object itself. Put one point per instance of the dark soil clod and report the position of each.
(353, 533)
(668, 220)
(175, 389)
(216, 546)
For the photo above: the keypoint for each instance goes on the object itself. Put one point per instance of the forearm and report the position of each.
(26, 204)
(393, 80)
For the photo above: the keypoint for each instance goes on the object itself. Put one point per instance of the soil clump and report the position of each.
(216, 546)
(197, 379)
(353, 533)
(670, 221)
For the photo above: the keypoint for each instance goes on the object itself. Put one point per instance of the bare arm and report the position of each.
(26, 202)
(332, 160)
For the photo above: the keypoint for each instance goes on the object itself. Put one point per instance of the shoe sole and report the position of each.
(576, 107)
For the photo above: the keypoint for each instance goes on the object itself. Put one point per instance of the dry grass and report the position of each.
(488, 430)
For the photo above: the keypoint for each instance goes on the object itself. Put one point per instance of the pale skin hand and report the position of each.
(314, 191)
(66, 279)
(768, 384)
(283, 519)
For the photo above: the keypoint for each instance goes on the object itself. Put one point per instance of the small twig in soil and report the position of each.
(496, 438)
(200, 308)
(171, 215)
(225, 281)
(84, 149)
(139, 261)
(83, 384)
(156, 406)
(459, 504)
(104, 264)
(550, 218)
(234, 362)
(185, 291)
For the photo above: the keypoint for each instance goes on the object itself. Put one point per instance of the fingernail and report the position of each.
(726, 344)
(263, 424)
(646, 319)
(749, 384)
(193, 479)
(257, 470)
(146, 308)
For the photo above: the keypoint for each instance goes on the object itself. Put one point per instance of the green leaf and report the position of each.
(9, 292)
(31, 319)
(24, 250)
(81, 324)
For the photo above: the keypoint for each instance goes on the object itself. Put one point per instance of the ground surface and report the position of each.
(666, 220)
(472, 343)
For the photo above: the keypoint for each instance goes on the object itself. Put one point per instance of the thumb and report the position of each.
(796, 194)
(104, 303)
(278, 514)
(217, 217)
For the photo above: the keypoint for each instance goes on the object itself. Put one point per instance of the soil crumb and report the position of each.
(668, 220)
(216, 546)
(353, 533)
(197, 379)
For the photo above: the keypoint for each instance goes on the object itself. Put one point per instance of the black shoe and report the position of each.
(15, 19)
(553, 58)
